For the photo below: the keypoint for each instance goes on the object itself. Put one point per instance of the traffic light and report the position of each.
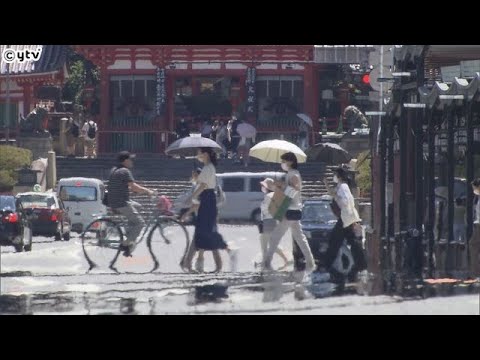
(366, 79)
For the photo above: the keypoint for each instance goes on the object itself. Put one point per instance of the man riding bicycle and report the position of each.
(121, 182)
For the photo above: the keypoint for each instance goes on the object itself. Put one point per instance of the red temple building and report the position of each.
(25, 79)
(144, 90)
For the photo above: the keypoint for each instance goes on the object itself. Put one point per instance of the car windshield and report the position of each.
(37, 201)
(7, 203)
(318, 212)
(78, 193)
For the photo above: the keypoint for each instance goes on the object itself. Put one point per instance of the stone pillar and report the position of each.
(39, 145)
(51, 170)
(63, 136)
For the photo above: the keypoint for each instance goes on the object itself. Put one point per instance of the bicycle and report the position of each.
(102, 238)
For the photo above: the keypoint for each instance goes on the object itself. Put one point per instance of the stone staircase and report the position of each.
(170, 177)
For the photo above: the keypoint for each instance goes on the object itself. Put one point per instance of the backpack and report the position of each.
(92, 131)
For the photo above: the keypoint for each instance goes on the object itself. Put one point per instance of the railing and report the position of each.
(133, 121)
(112, 141)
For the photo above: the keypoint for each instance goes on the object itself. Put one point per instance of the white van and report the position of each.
(243, 194)
(82, 197)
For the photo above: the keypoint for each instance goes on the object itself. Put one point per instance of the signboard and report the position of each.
(250, 84)
(342, 54)
(161, 92)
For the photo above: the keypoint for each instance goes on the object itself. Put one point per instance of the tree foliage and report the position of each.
(364, 178)
(12, 158)
(81, 72)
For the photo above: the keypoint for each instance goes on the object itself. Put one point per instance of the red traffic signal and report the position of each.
(366, 79)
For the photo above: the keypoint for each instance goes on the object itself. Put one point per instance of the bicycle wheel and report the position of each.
(100, 242)
(168, 243)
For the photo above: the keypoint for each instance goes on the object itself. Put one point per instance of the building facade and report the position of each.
(146, 89)
(424, 156)
(26, 79)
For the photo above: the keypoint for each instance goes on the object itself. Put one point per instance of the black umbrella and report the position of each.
(329, 153)
(188, 146)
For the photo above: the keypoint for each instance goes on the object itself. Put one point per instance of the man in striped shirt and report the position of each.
(120, 183)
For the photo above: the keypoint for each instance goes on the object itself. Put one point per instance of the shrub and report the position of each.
(12, 158)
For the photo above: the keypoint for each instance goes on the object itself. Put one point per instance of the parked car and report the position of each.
(82, 197)
(318, 220)
(47, 214)
(15, 229)
(243, 194)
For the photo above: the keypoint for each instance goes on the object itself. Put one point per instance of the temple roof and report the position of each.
(52, 59)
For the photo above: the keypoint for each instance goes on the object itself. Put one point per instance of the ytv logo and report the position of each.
(11, 55)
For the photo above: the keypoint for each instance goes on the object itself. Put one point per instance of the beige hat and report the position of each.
(268, 183)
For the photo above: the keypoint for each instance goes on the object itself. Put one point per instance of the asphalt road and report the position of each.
(53, 279)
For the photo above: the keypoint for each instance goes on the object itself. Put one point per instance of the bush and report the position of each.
(12, 158)
(364, 177)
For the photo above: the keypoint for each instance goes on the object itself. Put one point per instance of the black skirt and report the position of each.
(206, 236)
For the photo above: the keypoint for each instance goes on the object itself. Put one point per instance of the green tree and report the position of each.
(81, 72)
(364, 177)
(12, 158)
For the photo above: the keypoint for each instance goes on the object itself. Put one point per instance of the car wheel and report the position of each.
(256, 216)
(66, 236)
(58, 236)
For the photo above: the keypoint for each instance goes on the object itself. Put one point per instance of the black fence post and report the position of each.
(450, 183)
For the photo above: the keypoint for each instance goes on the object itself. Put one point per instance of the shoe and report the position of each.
(199, 265)
(299, 292)
(128, 249)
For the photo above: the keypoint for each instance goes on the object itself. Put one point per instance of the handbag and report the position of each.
(293, 215)
(279, 205)
(221, 198)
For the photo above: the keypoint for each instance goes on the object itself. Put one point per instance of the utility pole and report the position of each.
(7, 108)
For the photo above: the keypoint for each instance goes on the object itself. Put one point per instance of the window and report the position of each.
(7, 203)
(204, 97)
(318, 212)
(255, 184)
(41, 201)
(78, 193)
(279, 99)
(233, 184)
(133, 99)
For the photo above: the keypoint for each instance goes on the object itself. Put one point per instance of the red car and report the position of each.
(46, 214)
(15, 230)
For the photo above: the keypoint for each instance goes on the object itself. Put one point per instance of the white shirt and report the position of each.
(208, 176)
(346, 202)
(296, 203)
(85, 128)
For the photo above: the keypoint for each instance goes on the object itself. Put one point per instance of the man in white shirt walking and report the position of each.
(89, 133)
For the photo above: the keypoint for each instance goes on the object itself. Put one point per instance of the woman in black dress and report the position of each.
(206, 236)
